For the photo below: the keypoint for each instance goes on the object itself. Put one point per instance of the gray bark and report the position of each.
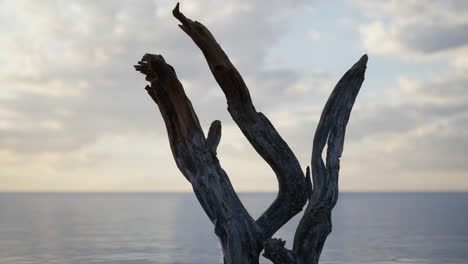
(315, 225)
(242, 238)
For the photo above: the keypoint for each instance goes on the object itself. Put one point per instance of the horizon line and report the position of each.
(188, 192)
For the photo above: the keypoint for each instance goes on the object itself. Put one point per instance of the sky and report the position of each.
(74, 115)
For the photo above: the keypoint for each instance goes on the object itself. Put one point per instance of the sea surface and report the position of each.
(144, 228)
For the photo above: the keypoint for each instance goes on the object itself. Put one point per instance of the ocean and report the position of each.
(144, 228)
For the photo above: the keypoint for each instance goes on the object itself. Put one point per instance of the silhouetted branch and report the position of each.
(242, 239)
(316, 225)
(196, 158)
(261, 134)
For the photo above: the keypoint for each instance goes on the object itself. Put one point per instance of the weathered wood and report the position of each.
(261, 134)
(241, 237)
(197, 161)
(315, 225)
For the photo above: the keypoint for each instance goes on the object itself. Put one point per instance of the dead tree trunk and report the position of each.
(242, 238)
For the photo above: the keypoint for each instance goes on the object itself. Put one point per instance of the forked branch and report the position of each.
(242, 238)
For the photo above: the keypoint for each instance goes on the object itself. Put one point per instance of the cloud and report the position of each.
(74, 113)
(415, 29)
(68, 85)
(427, 157)
(414, 138)
(69, 69)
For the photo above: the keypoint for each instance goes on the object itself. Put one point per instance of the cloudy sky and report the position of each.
(74, 115)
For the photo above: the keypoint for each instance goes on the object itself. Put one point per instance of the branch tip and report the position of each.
(362, 62)
(364, 58)
(177, 14)
(176, 10)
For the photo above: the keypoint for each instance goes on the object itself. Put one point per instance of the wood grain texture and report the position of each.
(242, 238)
(258, 130)
(197, 161)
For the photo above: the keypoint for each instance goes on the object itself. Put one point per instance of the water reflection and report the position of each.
(145, 228)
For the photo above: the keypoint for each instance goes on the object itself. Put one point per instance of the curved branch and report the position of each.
(315, 225)
(196, 159)
(261, 134)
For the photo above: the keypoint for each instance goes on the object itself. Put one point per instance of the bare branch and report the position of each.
(315, 225)
(167, 91)
(242, 238)
(261, 134)
(195, 158)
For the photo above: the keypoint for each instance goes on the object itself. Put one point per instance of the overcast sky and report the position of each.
(74, 115)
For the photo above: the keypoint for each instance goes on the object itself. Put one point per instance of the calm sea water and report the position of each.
(143, 228)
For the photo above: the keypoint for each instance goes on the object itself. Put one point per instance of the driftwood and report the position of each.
(243, 238)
